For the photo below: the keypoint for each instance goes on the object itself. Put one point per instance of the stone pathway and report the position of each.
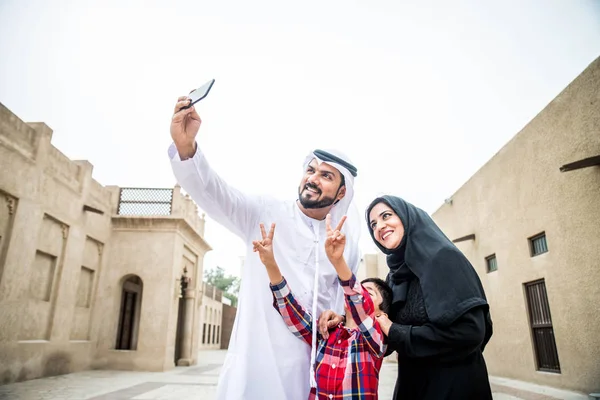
(200, 383)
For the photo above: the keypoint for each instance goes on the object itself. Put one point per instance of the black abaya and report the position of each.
(441, 319)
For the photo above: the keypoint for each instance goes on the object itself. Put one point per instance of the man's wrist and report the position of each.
(186, 151)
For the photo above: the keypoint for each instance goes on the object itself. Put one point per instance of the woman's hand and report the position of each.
(384, 323)
(328, 320)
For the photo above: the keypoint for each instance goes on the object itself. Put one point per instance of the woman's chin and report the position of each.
(389, 245)
(386, 245)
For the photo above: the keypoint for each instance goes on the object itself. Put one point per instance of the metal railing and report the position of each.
(145, 201)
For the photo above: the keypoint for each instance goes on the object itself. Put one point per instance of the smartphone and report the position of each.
(200, 93)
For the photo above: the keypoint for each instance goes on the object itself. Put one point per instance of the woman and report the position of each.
(439, 322)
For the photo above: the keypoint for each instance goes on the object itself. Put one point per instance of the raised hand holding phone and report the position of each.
(186, 122)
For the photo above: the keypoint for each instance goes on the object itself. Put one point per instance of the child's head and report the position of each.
(381, 294)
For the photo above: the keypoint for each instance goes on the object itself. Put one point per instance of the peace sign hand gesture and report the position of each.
(264, 247)
(336, 241)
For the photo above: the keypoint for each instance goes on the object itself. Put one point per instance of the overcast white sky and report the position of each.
(419, 95)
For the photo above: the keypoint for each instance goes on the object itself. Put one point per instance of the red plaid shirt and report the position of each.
(348, 363)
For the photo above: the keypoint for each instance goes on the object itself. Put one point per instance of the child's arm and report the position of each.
(264, 248)
(334, 248)
(298, 321)
(362, 310)
(359, 302)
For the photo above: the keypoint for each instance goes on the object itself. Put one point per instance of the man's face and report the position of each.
(321, 186)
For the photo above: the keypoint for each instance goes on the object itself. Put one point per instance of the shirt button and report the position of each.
(333, 366)
(339, 341)
(331, 396)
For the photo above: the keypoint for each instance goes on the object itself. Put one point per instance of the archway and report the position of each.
(129, 314)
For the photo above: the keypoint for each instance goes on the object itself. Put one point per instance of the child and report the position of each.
(348, 360)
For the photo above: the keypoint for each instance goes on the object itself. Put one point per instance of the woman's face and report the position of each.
(386, 225)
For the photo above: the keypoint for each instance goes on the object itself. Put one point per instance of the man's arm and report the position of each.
(228, 206)
(298, 321)
(225, 204)
(361, 308)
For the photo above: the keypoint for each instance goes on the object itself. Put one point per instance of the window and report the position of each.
(538, 244)
(204, 333)
(492, 263)
(542, 331)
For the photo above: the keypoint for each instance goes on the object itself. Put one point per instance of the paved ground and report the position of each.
(200, 383)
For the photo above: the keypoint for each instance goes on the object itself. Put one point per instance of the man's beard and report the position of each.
(319, 203)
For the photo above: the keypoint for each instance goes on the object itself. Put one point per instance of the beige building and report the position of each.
(212, 315)
(372, 266)
(529, 221)
(227, 321)
(91, 276)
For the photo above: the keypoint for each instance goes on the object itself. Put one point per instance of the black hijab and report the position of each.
(449, 283)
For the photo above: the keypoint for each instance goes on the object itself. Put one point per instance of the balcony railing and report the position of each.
(145, 201)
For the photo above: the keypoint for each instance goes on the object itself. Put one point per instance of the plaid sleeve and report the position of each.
(298, 321)
(362, 309)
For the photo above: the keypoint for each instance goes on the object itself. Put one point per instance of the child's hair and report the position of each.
(386, 293)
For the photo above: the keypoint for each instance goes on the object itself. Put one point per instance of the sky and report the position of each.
(418, 94)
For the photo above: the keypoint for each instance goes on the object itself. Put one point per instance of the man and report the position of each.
(264, 360)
